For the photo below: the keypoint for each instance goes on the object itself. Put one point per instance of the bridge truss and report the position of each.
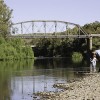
(47, 29)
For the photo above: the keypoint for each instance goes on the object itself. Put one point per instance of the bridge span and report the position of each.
(52, 28)
(49, 29)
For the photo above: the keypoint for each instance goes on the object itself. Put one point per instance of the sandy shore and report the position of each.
(87, 88)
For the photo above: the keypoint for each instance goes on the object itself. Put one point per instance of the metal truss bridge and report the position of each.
(48, 29)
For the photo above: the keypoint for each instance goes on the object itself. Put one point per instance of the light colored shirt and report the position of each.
(94, 61)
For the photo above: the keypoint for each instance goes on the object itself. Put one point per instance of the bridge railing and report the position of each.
(47, 29)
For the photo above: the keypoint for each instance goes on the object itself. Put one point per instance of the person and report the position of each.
(93, 63)
(97, 52)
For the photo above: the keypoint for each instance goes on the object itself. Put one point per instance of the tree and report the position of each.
(5, 16)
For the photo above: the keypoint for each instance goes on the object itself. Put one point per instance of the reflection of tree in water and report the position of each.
(53, 63)
(6, 70)
(4, 86)
(61, 63)
(62, 66)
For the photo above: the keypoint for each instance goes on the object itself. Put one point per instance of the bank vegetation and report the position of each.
(66, 47)
(11, 48)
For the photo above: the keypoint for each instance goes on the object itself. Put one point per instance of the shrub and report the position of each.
(28, 52)
(13, 49)
(77, 57)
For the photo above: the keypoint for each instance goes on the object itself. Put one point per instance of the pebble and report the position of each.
(86, 89)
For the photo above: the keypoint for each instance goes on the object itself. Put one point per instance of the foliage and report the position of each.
(53, 47)
(65, 47)
(10, 48)
(5, 15)
(77, 57)
(14, 49)
(93, 28)
(28, 52)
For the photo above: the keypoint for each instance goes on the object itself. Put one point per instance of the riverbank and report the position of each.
(87, 88)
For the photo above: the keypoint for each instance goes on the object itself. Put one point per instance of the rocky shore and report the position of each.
(87, 88)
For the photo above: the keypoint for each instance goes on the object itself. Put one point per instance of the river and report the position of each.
(19, 80)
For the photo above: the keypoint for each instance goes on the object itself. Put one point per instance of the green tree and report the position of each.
(5, 16)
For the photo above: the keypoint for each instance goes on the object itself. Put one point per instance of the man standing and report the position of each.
(93, 63)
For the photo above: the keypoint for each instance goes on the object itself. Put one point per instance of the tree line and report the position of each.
(66, 47)
(11, 48)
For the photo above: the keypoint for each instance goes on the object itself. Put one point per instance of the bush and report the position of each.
(77, 57)
(28, 52)
(13, 49)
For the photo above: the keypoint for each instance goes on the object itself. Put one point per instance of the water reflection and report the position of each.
(7, 69)
(20, 79)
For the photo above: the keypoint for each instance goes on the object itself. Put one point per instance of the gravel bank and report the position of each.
(86, 89)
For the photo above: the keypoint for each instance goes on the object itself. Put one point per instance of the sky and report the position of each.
(76, 11)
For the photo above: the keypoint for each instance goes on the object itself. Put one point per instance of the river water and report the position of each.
(19, 80)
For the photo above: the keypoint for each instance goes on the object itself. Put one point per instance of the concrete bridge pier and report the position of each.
(89, 50)
(89, 43)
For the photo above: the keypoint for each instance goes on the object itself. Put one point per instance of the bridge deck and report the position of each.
(54, 36)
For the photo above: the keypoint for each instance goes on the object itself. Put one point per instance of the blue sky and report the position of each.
(75, 11)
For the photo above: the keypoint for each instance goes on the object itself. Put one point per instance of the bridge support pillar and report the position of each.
(89, 43)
